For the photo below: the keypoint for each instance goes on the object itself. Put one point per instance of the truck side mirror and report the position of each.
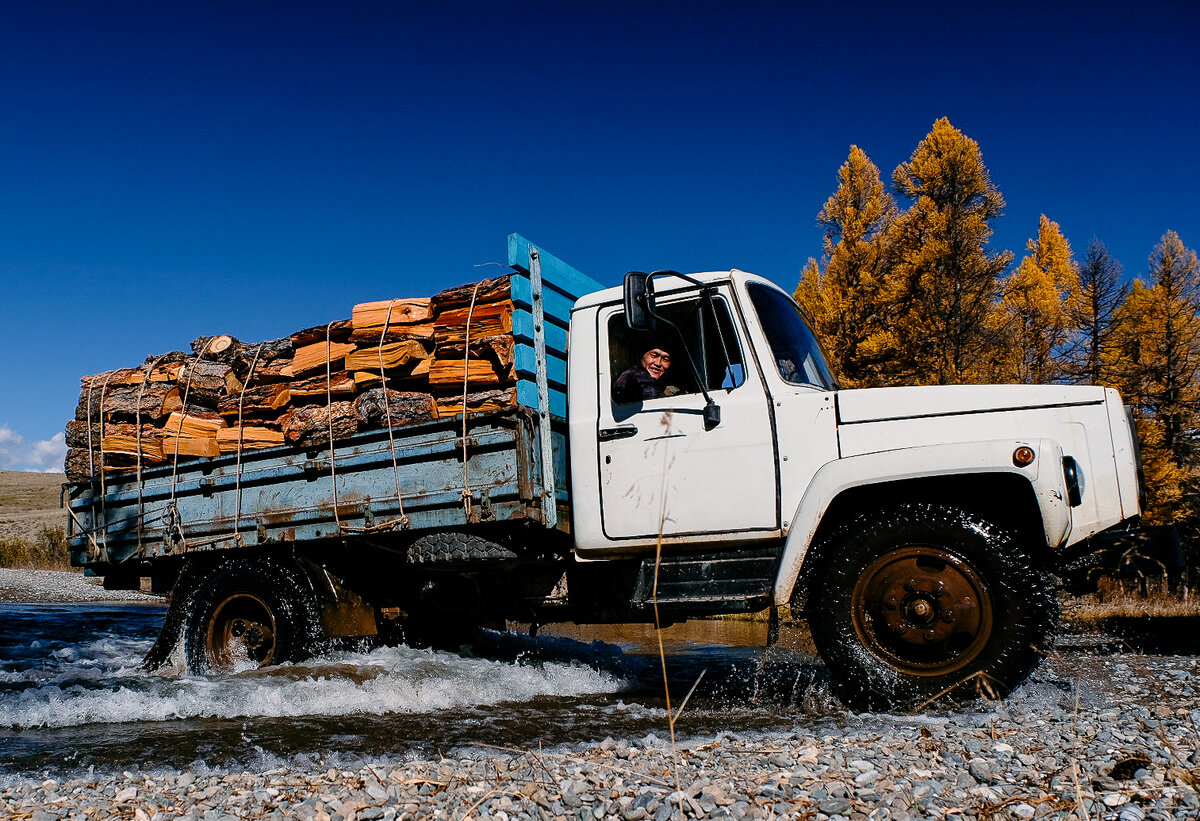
(639, 301)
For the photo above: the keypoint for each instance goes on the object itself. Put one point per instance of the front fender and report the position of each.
(1045, 475)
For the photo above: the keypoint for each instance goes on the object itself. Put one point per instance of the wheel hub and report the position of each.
(922, 609)
(241, 633)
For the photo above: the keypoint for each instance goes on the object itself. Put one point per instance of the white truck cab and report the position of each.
(919, 523)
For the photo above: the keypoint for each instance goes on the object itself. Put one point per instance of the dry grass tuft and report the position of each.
(47, 550)
(1088, 609)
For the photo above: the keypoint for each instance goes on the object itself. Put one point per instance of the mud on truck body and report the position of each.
(917, 530)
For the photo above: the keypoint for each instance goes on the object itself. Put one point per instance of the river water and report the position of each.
(73, 694)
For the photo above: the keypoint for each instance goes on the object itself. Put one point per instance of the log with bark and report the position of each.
(400, 408)
(482, 292)
(477, 402)
(315, 425)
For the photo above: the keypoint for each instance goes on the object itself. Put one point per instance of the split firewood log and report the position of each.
(149, 444)
(114, 378)
(199, 425)
(478, 402)
(186, 446)
(368, 337)
(310, 357)
(205, 382)
(79, 434)
(414, 378)
(274, 370)
(256, 403)
(310, 425)
(223, 348)
(81, 464)
(402, 407)
(391, 312)
(247, 437)
(444, 373)
(154, 370)
(267, 358)
(484, 291)
(339, 383)
(338, 331)
(485, 320)
(404, 353)
(496, 349)
(76, 434)
(151, 401)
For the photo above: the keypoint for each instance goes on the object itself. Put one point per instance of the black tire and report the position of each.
(449, 547)
(248, 614)
(919, 600)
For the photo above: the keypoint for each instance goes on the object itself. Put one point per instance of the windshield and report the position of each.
(793, 346)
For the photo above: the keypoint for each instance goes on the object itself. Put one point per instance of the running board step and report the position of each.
(735, 576)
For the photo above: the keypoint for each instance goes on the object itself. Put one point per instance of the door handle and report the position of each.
(621, 432)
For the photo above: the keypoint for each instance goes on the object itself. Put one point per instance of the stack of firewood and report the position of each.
(393, 362)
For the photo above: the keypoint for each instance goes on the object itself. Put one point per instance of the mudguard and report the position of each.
(1045, 475)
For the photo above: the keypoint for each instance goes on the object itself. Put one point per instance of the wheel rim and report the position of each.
(241, 633)
(923, 610)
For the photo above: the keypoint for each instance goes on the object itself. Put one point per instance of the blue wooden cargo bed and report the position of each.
(509, 466)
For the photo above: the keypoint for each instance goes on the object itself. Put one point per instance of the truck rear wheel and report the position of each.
(923, 599)
(250, 614)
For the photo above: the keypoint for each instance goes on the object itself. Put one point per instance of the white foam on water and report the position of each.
(75, 689)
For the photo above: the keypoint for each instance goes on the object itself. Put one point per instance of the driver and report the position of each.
(645, 379)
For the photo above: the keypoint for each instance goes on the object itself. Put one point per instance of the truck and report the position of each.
(917, 530)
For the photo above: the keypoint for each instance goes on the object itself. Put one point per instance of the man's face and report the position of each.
(656, 361)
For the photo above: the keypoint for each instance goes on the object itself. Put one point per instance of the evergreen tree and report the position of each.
(1158, 362)
(1094, 317)
(844, 300)
(1034, 317)
(944, 284)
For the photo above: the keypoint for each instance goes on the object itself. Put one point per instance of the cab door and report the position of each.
(661, 471)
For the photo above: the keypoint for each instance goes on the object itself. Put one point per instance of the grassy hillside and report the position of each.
(31, 522)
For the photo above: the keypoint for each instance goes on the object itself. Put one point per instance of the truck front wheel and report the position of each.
(250, 614)
(918, 600)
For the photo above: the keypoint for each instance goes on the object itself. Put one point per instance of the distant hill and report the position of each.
(29, 502)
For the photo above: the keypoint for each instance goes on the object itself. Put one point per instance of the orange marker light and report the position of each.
(1023, 456)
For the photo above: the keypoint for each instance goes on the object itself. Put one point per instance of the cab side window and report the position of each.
(666, 362)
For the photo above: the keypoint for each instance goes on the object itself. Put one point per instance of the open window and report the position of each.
(705, 336)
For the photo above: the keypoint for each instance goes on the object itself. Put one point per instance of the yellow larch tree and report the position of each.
(1158, 363)
(1034, 318)
(843, 299)
(944, 284)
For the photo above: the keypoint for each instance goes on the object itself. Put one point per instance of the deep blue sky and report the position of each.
(169, 170)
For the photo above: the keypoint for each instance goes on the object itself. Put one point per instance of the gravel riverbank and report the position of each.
(62, 586)
(1096, 734)
(1113, 737)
